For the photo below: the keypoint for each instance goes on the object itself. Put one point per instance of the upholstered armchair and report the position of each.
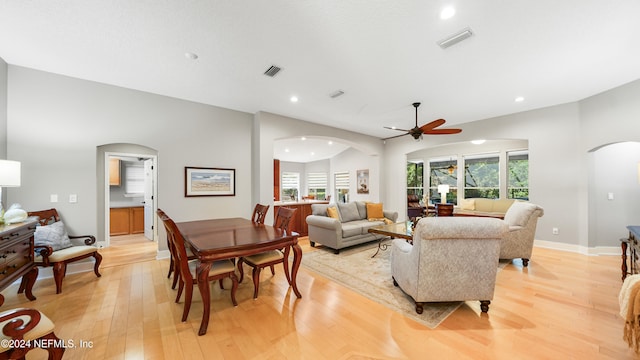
(54, 247)
(30, 329)
(451, 259)
(414, 209)
(522, 218)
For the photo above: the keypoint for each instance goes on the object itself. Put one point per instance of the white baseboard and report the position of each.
(595, 251)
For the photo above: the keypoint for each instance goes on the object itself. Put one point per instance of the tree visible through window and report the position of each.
(482, 176)
(518, 175)
(415, 171)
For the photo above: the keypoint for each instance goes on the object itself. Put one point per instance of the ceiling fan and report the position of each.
(429, 128)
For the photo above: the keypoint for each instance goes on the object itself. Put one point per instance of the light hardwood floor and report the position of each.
(564, 306)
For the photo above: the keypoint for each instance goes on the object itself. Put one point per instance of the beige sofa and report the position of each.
(350, 228)
(451, 259)
(483, 207)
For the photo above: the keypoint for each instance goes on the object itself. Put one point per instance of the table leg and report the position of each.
(623, 245)
(297, 259)
(205, 293)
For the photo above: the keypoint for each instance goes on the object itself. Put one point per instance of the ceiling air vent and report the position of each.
(272, 71)
(455, 38)
(336, 93)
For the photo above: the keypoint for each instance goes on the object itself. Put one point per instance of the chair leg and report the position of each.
(96, 266)
(171, 270)
(484, 305)
(221, 285)
(59, 270)
(187, 302)
(273, 271)
(176, 276)
(180, 288)
(525, 262)
(234, 287)
(256, 281)
(240, 270)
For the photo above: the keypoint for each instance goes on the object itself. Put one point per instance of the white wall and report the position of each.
(352, 160)
(56, 123)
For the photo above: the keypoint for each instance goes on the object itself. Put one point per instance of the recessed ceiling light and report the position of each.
(478, 142)
(294, 99)
(519, 99)
(286, 150)
(190, 55)
(303, 138)
(330, 142)
(312, 153)
(447, 13)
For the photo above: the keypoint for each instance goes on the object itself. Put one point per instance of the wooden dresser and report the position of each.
(16, 256)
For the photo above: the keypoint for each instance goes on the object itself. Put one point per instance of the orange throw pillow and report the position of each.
(332, 212)
(374, 211)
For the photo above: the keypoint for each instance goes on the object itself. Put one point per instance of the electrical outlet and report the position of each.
(555, 231)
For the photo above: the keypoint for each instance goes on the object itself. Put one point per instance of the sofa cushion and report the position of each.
(352, 228)
(362, 209)
(348, 212)
(374, 211)
(319, 209)
(366, 225)
(468, 204)
(332, 212)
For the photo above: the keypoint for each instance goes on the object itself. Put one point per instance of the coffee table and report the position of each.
(402, 230)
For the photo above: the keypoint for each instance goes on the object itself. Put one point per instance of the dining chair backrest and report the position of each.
(46, 217)
(283, 218)
(259, 213)
(177, 241)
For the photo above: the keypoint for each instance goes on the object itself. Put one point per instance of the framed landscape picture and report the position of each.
(200, 181)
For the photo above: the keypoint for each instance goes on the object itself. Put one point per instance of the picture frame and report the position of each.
(362, 181)
(202, 181)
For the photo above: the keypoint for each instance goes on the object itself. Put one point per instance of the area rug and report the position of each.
(371, 277)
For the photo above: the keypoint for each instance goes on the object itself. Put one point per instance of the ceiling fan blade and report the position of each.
(393, 137)
(432, 125)
(391, 128)
(443, 131)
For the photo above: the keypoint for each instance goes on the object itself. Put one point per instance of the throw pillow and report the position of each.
(332, 212)
(348, 212)
(374, 211)
(468, 204)
(53, 235)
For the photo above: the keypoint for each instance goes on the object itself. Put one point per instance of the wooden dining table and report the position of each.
(216, 239)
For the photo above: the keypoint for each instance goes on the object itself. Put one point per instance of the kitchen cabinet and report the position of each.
(114, 172)
(126, 220)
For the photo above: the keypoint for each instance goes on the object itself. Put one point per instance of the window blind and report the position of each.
(342, 180)
(317, 180)
(290, 180)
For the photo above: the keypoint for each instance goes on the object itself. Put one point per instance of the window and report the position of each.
(133, 178)
(415, 171)
(342, 186)
(482, 176)
(317, 183)
(518, 175)
(290, 185)
(443, 172)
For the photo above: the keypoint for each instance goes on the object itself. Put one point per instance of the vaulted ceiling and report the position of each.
(382, 54)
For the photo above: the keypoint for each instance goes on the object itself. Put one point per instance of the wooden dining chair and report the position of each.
(188, 278)
(259, 213)
(59, 248)
(272, 257)
(173, 265)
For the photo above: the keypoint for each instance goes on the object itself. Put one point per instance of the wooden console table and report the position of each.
(16, 256)
(634, 251)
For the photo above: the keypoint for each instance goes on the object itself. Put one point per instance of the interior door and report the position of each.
(148, 199)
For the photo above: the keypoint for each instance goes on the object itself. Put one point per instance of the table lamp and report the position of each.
(9, 177)
(443, 190)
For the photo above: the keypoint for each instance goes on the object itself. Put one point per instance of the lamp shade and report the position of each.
(443, 188)
(9, 173)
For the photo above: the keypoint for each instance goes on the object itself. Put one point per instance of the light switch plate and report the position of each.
(53, 198)
(73, 198)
